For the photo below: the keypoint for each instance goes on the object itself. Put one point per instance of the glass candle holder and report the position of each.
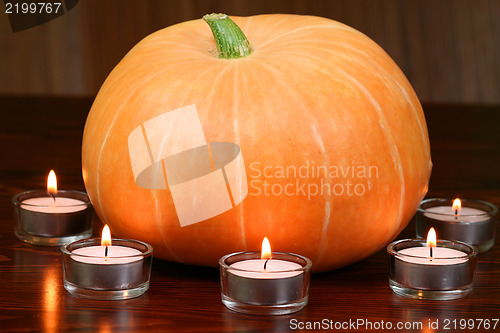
(123, 273)
(474, 224)
(42, 220)
(447, 274)
(281, 288)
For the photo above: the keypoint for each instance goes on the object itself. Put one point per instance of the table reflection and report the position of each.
(50, 300)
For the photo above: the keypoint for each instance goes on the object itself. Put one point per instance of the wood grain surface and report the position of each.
(37, 134)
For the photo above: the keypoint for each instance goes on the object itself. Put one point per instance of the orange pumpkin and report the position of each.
(326, 142)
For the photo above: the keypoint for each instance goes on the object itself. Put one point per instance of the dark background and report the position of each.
(448, 49)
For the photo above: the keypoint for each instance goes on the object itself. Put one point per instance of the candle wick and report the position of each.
(456, 213)
(106, 251)
(430, 250)
(265, 264)
(53, 196)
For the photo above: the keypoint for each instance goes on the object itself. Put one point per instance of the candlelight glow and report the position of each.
(431, 238)
(106, 236)
(52, 183)
(50, 301)
(266, 249)
(457, 205)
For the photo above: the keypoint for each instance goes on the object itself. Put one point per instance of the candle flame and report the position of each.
(52, 183)
(457, 204)
(266, 249)
(106, 236)
(431, 238)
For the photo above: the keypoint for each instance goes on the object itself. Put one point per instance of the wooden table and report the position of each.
(37, 134)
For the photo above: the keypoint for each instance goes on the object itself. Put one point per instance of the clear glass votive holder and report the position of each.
(39, 222)
(107, 278)
(474, 224)
(435, 278)
(265, 292)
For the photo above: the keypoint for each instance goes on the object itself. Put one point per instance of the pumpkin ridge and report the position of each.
(387, 80)
(305, 28)
(354, 51)
(235, 117)
(214, 83)
(158, 219)
(191, 87)
(394, 148)
(364, 57)
(390, 140)
(395, 81)
(292, 95)
(117, 113)
(328, 199)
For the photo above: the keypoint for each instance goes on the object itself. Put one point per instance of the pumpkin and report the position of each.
(204, 139)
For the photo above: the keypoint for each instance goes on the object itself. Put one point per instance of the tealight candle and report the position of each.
(469, 221)
(265, 282)
(52, 217)
(107, 268)
(432, 269)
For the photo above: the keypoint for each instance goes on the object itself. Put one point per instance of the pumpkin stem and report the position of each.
(230, 40)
